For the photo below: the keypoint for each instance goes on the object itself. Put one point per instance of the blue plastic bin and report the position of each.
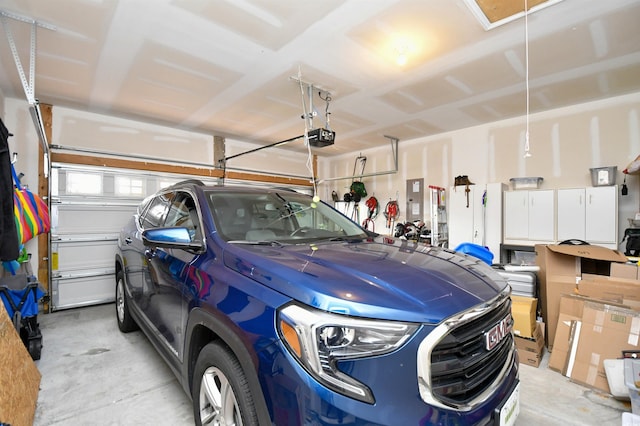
(476, 250)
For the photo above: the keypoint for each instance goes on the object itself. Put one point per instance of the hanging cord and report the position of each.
(526, 76)
(309, 163)
(327, 100)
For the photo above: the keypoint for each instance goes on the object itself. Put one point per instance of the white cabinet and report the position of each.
(571, 214)
(479, 223)
(589, 214)
(529, 216)
(516, 215)
(461, 216)
(601, 215)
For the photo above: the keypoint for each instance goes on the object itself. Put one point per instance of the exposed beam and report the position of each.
(59, 157)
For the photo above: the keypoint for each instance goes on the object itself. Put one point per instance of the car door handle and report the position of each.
(128, 240)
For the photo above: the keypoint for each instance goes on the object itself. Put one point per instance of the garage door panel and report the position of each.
(81, 219)
(82, 291)
(82, 255)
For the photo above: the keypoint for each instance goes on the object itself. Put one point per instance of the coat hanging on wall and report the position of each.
(9, 244)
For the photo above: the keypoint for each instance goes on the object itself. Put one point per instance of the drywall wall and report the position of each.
(81, 130)
(564, 144)
(85, 132)
(94, 132)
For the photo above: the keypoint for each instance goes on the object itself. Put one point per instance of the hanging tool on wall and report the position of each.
(357, 190)
(484, 218)
(373, 208)
(391, 212)
(463, 180)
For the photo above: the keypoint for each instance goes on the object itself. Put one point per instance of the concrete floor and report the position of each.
(94, 375)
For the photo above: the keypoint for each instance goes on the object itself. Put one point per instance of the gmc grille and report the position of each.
(457, 369)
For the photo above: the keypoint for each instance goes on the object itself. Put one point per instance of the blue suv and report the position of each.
(271, 308)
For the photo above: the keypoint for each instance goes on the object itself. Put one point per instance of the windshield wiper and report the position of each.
(257, 243)
(353, 239)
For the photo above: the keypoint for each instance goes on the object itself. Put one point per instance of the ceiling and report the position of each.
(233, 67)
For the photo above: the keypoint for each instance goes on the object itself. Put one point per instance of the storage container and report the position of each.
(476, 250)
(520, 257)
(603, 176)
(632, 380)
(522, 283)
(630, 419)
(526, 182)
(615, 376)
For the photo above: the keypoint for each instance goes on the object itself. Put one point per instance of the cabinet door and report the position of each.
(516, 215)
(601, 214)
(571, 214)
(492, 214)
(542, 215)
(461, 217)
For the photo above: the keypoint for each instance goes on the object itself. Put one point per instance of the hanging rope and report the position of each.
(526, 76)
(305, 115)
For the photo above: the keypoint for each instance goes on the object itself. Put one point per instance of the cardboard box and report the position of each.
(530, 351)
(561, 268)
(570, 311)
(603, 332)
(19, 376)
(617, 290)
(523, 311)
(624, 270)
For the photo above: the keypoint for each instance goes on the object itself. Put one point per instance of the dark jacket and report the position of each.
(9, 244)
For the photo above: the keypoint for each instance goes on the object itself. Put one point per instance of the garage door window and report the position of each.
(84, 183)
(126, 186)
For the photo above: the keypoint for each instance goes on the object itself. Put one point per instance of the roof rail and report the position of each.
(187, 182)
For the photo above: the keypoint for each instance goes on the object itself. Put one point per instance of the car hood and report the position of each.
(379, 278)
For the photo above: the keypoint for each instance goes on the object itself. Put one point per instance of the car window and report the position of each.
(155, 214)
(282, 216)
(182, 212)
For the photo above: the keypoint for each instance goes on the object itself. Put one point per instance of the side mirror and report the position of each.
(176, 238)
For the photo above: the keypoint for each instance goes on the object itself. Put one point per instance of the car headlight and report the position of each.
(319, 339)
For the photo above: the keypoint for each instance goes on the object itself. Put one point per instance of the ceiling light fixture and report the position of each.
(401, 58)
(527, 154)
(402, 47)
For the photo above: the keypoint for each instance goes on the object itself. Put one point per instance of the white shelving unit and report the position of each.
(438, 214)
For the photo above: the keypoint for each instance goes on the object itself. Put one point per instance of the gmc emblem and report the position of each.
(498, 332)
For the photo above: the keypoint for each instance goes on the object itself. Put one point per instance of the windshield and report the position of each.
(282, 216)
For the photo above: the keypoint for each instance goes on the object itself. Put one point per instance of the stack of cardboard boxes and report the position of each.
(590, 303)
(529, 334)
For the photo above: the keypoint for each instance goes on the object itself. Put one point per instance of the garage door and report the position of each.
(89, 205)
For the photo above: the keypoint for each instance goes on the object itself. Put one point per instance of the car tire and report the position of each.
(126, 323)
(218, 375)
